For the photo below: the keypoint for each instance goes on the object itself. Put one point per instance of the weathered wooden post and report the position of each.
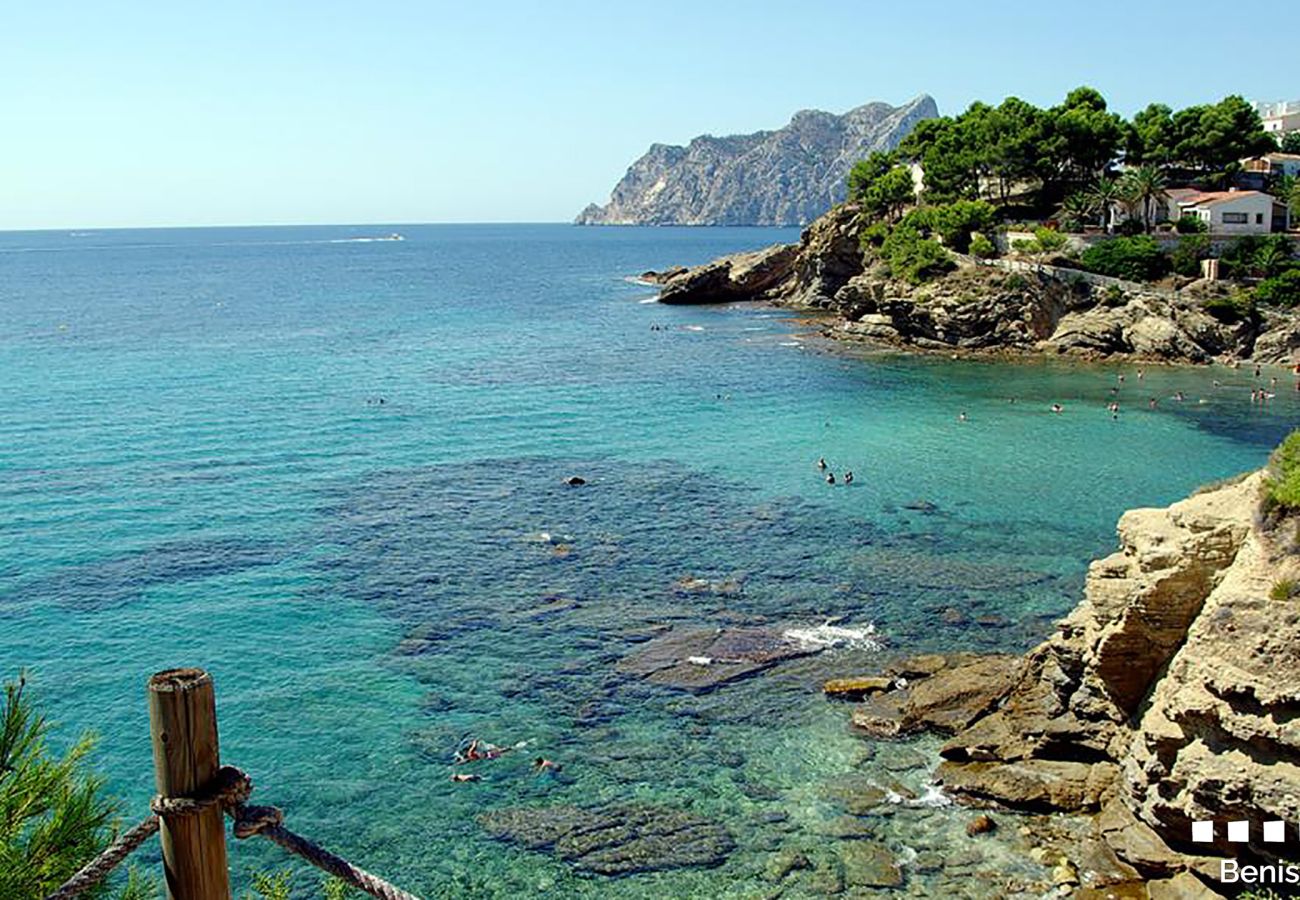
(183, 727)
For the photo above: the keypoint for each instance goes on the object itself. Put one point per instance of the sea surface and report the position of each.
(330, 470)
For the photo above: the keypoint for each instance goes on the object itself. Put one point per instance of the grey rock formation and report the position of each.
(784, 177)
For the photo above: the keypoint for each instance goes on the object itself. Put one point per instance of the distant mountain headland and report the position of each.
(785, 177)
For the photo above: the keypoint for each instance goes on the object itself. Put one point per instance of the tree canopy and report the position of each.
(1206, 138)
(1043, 155)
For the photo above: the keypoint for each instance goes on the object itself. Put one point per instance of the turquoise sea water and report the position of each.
(196, 469)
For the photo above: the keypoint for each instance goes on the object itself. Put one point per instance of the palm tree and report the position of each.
(1105, 193)
(1147, 187)
(1077, 209)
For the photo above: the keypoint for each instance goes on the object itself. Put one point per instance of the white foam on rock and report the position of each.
(827, 636)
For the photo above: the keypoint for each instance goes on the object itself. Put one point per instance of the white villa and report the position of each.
(1223, 212)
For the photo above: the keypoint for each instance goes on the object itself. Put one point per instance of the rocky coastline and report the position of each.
(982, 307)
(1167, 696)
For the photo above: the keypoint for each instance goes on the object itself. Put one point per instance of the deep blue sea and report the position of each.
(330, 470)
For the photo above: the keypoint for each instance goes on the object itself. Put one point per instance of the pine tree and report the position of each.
(54, 813)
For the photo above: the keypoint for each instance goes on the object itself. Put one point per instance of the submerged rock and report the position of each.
(702, 660)
(614, 840)
(870, 865)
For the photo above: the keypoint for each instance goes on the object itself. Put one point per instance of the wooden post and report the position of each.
(183, 728)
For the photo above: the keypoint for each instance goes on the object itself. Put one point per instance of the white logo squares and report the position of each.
(1274, 832)
(1203, 832)
(1239, 832)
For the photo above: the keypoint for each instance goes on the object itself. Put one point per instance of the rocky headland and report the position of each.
(784, 177)
(982, 307)
(1169, 695)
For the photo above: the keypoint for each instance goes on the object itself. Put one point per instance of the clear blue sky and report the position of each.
(232, 112)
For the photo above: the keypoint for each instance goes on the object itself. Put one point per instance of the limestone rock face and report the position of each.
(1170, 694)
(785, 177)
(1220, 736)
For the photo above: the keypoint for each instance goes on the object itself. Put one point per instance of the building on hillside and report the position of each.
(1273, 164)
(1279, 118)
(1223, 212)
(1236, 212)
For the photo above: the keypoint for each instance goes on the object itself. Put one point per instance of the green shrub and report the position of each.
(1114, 295)
(873, 235)
(1025, 245)
(1187, 256)
(1282, 487)
(1132, 258)
(982, 247)
(1257, 255)
(1049, 241)
(913, 257)
(1284, 590)
(1280, 290)
(1191, 225)
(957, 222)
(1230, 310)
(1016, 282)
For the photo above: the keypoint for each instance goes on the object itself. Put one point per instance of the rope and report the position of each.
(98, 868)
(230, 790)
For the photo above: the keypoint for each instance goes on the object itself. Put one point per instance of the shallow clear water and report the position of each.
(195, 469)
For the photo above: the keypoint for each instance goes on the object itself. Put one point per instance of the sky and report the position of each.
(231, 112)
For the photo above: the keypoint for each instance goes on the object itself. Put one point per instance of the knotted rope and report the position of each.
(230, 790)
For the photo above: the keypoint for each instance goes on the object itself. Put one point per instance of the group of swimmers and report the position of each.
(830, 476)
(475, 750)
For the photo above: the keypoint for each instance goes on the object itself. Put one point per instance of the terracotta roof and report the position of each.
(1214, 197)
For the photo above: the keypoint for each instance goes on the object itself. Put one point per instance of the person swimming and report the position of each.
(1056, 408)
(961, 416)
(541, 765)
(461, 777)
(848, 477)
(477, 750)
(821, 462)
(830, 477)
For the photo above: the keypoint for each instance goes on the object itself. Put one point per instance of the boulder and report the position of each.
(856, 688)
(1039, 785)
(741, 276)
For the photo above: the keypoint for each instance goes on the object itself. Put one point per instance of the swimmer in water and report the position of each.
(848, 477)
(821, 463)
(830, 477)
(1056, 408)
(461, 777)
(541, 765)
(961, 416)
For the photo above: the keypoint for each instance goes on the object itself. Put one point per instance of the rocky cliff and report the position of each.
(1169, 695)
(1009, 306)
(784, 177)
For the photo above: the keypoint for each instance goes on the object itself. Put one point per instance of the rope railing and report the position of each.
(230, 790)
(195, 794)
